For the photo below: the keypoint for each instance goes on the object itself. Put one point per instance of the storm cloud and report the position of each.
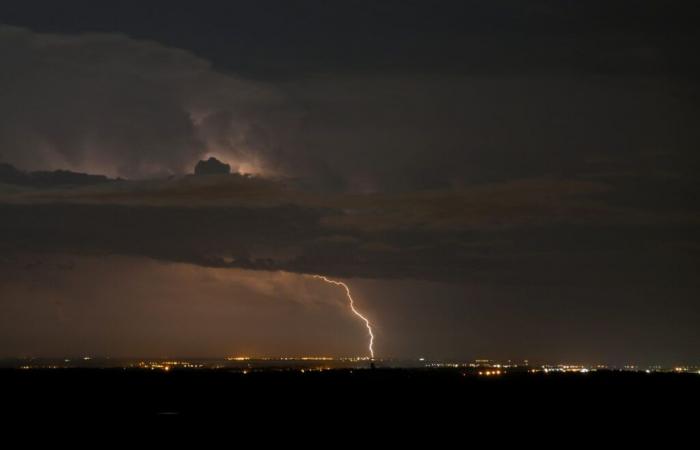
(102, 102)
(106, 103)
(534, 231)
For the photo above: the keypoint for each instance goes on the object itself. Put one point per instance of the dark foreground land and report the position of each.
(409, 393)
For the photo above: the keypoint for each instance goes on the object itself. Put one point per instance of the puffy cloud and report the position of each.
(212, 166)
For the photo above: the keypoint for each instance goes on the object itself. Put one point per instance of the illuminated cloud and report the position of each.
(106, 103)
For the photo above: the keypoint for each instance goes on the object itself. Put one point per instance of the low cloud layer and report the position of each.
(531, 231)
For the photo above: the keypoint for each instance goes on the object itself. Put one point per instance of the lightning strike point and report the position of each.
(355, 311)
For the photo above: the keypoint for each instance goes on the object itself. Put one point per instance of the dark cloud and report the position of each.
(526, 232)
(212, 166)
(470, 93)
(274, 39)
(45, 179)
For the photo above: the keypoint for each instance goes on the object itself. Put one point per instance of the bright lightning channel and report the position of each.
(352, 307)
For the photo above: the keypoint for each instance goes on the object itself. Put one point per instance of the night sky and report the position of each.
(493, 179)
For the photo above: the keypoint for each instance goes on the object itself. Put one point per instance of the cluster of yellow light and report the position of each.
(489, 373)
(42, 367)
(164, 367)
(565, 368)
(443, 365)
(352, 307)
(167, 365)
(308, 358)
(299, 358)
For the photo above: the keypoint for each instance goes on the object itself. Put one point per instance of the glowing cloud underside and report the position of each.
(352, 307)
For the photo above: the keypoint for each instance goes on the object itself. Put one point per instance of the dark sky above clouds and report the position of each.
(494, 178)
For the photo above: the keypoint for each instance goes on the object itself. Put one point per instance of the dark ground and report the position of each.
(372, 395)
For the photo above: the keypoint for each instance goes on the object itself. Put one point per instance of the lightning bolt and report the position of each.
(352, 307)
